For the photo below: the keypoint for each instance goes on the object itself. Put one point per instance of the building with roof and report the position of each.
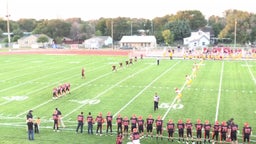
(138, 42)
(98, 42)
(197, 39)
(31, 41)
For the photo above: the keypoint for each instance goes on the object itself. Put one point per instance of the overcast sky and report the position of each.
(94, 9)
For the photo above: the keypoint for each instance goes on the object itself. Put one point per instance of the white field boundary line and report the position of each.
(106, 90)
(173, 102)
(42, 104)
(146, 87)
(250, 71)
(219, 93)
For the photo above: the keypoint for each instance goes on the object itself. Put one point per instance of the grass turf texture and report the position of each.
(221, 90)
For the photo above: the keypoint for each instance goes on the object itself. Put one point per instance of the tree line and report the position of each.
(169, 29)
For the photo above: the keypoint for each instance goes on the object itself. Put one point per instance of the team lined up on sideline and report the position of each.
(135, 126)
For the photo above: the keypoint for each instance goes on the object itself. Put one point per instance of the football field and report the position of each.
(220, 90)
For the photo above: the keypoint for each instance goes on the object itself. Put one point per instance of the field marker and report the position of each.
(219, 93)
(146, 87)
(103, 92)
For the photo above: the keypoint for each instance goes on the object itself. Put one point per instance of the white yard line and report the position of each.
(173, 102)
(162, 74)
(250, 71)
(175, 99)
(106, 90)
(219, 93)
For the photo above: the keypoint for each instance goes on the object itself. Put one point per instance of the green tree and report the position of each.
(237, 23)
(195, 18)
(168, 37)
(217, 23)
(180, 29)
(27, 25)
(42, 39)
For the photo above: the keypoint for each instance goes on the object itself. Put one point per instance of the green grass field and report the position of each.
(221, 90)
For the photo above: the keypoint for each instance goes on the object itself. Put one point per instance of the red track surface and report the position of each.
(68, 52)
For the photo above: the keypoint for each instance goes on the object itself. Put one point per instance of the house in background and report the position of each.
(138, 42)
(197, 39)
(31, 41)
(98, 42)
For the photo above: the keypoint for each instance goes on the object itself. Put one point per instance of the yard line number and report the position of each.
(174, 106)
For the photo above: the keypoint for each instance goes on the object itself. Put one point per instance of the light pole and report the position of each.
(112, 33)
(8, 25)
(235, 34)
(131, 28)
(152, 27)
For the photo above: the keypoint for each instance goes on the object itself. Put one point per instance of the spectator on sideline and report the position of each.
(80, 121)
(55, 121)
(29, 114)
(37, 124)
(60, 118)
(30, 129)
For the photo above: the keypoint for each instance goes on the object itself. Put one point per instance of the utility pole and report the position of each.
(235, 34)
(152, 27)
(112, 33)
(8, 25)
(131, 28)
